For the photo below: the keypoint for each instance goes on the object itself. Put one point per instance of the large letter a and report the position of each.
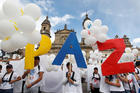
(71, 46)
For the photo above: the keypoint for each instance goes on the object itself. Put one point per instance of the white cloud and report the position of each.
(46, 5)
(136, 42)
(60, 20)
(89, 12)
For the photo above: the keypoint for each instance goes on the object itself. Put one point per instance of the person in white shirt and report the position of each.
(71, 82)
(0, 68)
(0, 73)
(127, 80)
(137, 71)
(115, 84)
(95, 81)
(7, 80)
(33, 77)
(104, 87)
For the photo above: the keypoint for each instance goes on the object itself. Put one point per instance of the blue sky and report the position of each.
(121, 16)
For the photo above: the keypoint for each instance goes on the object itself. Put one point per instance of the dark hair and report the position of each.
(137, 63)
(95, 68)
(0, 66)
(9, 66)
(68, 64)
(37, 58)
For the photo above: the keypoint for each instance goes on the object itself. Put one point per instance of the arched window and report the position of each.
(44, 28)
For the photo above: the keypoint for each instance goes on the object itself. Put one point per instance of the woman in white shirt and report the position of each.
(115, 84)
(7, 80)
(70, 82)
(127, 80)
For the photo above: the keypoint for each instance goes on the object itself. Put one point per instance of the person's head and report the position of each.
(69, 66)
(62, 67)
(137, 63)
(9, 68)
(0, 67)
(96, 70)
(36, 60)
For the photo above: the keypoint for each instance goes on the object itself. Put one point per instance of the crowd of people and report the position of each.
(120, 83)
(34, 81)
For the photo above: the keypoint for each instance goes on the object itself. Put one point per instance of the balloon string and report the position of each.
(22, 12)
(15, 25)
(7, 38)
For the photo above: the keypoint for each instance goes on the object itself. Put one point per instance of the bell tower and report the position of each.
(86, 18)
(45, 27)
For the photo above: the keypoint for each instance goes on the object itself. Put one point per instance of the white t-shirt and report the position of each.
(69, 87)
(130, 78)
(6, 85)
(95, 81)
(1, 74)
(104, 88)
(137, 70)
(115, 88)
(34, 75)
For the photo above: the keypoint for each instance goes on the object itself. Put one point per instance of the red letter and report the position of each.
(111, 65)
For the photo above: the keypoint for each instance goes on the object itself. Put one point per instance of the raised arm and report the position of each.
(117, 84)
(25, 74)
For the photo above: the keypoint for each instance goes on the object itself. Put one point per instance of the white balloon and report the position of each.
(127, 57)
(128, 50)
(101, 37)
(7, 46)
(96, 30)
(84, 33)
(104, 29)
(2, 16)
(97, 22)
(49, 68)
(12, 8)
(88, 24)
(90, 61)
(90, 40)
(90, 52)
(6, 29)
(52, 56)
(26, 24)
(18, 40)
(131, 57)
(135, 51)
(34, 37)
(55, 68)
(94, 46)
(93, 56)
(32, 10)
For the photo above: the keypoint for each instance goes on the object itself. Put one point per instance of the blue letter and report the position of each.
(71, 46)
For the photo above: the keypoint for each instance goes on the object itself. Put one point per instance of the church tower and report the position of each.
(45, 29)
(86, 18)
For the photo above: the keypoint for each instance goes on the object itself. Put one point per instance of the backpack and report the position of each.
(39, 68)
(137, 71)
(9, 78)
(93, 77)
